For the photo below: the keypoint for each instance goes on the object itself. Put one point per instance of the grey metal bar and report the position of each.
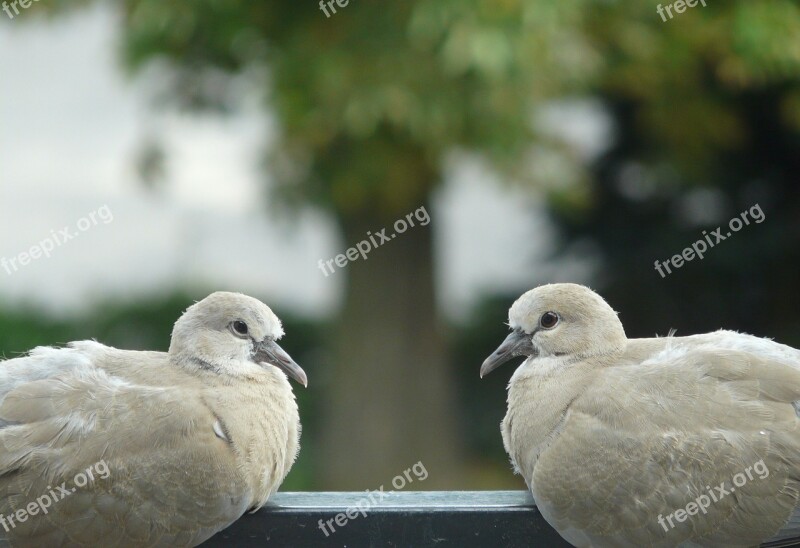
(404, 519)
(440, 519)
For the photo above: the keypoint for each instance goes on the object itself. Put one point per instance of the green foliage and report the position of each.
(372, 98)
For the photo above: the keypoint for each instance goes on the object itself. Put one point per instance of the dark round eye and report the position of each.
(239, 327)
(548, 320)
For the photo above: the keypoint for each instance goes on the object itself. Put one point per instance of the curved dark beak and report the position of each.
(268, 351)
(518, 343)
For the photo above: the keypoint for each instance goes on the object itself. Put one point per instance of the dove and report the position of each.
(690, 441)
(108, 447)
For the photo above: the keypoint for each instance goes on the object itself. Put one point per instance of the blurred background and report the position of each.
(236, 144)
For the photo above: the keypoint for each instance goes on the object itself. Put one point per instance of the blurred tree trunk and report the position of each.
(391, 401)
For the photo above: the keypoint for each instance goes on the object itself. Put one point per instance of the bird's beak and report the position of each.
(518, 343)
(268, 351)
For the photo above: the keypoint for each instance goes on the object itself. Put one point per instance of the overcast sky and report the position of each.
(70, 124)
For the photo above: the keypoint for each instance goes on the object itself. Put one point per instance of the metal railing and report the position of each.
(437, 519)
(494, 519)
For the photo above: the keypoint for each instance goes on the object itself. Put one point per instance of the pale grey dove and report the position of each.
(147, 448)
(650, 442)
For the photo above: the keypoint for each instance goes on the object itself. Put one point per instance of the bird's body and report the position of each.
(650, 442)
(170, 447)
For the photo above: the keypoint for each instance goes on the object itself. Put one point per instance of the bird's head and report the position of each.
(231, 333)
(563, 319)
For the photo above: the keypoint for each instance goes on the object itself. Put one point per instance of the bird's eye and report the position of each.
(239, 328)
(548, 320)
